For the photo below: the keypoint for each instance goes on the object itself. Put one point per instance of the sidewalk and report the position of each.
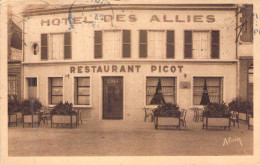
(128, 138)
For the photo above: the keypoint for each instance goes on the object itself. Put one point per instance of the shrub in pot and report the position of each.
(14, 111)
(167, 114)
(63, 114)
(30, 111)
(216, 115)
(242, 107)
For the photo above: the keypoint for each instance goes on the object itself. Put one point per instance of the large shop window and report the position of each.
(156, 44)
(201, 44)
(56, 46)
(82, 91)
(207, 89)
(55, 90)
(12, 86)
(112, 44)
(160, 90)
(250, 89)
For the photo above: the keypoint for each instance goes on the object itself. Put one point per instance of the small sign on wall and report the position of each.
(185, 85)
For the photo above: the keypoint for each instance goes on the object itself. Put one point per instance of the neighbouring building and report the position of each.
(15, 58)
(245, 52)
(112, 60)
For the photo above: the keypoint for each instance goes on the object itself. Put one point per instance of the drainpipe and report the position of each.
(22, 65)
(237, 63)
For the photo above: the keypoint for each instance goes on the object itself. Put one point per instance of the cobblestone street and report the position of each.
(125, 138)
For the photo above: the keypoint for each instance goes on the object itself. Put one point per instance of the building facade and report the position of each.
(113, 60)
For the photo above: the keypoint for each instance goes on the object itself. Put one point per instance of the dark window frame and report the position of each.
(201, 86)
(50, 89)
(145, 44)
(174, 88)
(77, 88)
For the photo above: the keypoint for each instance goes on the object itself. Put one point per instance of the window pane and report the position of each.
(150, 90)
(98, 37)
(169, 99)
(126, 50)
(83, 91)
(170, 37)
(152, 81)
(83, 100)
(56, 81)
(167, 91)
(166, 81)
(143, 36)
(126, 36)
(57, 91)
(83, 81)
(98, 51)
(32, 82)
(143, 50)
(56, 99)
(67, 52)
(170, 51)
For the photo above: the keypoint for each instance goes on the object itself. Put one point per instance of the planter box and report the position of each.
(216, 122)
(31, 119)
(167, 121)
(64, 119)
(250, 122)
(243, 116)
(12, 119)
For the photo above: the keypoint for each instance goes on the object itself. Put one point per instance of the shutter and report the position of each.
(67, 45)
(215, 44)
(143, 43)
(188, 44)
(126, 43)
(170, 48)
(44, 47)
(98, 44)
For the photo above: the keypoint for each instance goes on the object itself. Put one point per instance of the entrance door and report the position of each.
(112, 97)
(32, 88)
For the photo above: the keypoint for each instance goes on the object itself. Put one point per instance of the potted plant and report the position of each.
(167, 114)
(241, 106)
(216, 115)
(30, 111)
(14, 111)
(63, 114)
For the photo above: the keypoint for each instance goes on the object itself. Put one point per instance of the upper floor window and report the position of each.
(247, 23)
(158, 44)
(112, 44)
(56, 46)
(201, 44)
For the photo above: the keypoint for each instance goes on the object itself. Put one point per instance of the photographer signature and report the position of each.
(230, 140)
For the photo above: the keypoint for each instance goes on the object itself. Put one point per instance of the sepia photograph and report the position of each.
(129, 78)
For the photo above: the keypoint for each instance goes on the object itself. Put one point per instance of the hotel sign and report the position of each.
(124, 69)
(130, 18)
